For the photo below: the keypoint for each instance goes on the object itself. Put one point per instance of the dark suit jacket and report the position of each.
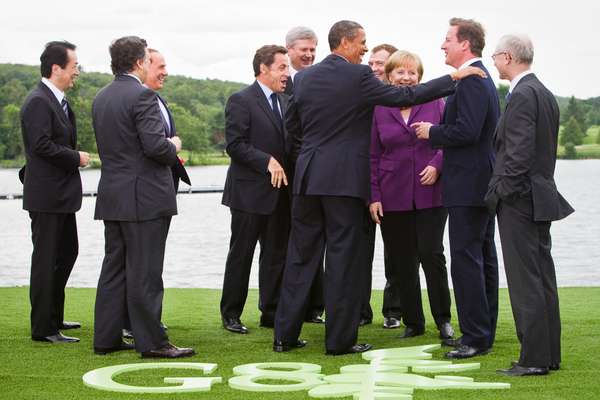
(177, 169)
(136, 183)
(253, 135)
(466, 135)
(289, 87)
(526, 141)
(51, 181)
(331, 110)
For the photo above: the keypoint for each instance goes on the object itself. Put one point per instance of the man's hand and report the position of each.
(422, 129)
(277, 173)
(177, 142)
(467, 71)
(376, 211)
(84, 158)
(429, 175)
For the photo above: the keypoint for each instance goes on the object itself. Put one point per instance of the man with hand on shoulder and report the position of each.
(331, 110)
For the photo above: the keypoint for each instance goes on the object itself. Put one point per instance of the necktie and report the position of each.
(65, 106)
(507, 98)
(276, 109)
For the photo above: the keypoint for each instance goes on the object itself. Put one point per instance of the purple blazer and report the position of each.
(397, 158)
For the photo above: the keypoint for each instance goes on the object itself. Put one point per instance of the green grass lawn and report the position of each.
(33, 370)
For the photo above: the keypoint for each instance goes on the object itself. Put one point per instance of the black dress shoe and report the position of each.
(169, 351)
(365, 321)
(517, 370)
(280, 346)
(464, 351)
(446, 330)
(58, 338)
(412, 332)
(70, 325)
(123, 346)
(551, 367)
(451, 342)
(357, 348)
(315, 319)
(391, 323)
(127, 334)
(234, 325)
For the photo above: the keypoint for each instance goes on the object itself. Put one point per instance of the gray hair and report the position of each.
(342, 29)
(299, 33)
(518, 46)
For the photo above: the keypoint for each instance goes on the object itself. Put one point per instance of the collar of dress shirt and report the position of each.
(136, 78)
(517, 78)
(59, 94)
(266, 90)
(469, 62)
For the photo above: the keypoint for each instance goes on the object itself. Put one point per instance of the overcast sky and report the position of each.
(217, 39)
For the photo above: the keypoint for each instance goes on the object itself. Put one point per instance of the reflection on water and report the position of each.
(199, 236)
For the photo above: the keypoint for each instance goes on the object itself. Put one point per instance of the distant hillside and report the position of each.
(197, 105)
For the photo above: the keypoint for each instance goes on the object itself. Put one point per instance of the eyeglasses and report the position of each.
(497, 54)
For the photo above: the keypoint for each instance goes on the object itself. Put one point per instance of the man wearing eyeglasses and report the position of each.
(523, 193)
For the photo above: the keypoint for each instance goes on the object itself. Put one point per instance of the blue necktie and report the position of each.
(276, 109)
(507, 98)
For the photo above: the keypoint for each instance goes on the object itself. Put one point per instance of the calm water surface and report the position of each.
(198, 240)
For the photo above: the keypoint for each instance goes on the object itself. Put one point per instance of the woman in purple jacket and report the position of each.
(406, 200)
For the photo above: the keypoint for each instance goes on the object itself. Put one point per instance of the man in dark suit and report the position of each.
(331, 111)
(523, 192)
(157, 72)
(136, 199)
(470, 117)
(256, 188)
(301, 43)
(52, 189)
(155, 79)
(392, 308)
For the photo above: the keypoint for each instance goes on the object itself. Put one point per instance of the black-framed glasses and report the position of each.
(497, 54)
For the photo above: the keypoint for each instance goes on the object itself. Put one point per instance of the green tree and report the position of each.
(502, 91)
(10, 132)
(571, 133)
(192, 131)
(570, 151)
(575, 110)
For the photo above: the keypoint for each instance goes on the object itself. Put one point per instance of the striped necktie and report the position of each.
(65, 106)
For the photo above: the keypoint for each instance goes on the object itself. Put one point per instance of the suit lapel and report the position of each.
(168, 126)
(264, 104)
(55, 104)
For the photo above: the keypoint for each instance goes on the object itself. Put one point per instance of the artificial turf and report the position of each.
(34, 370)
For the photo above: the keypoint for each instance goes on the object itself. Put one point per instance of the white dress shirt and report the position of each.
(59, 94)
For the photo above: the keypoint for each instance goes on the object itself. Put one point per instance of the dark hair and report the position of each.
(55, 53)
(266, 55)
(340, 30)
(471, 30)
(125, 52)
(387, 47)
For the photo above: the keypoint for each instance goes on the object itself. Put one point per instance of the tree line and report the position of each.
(197, 106)
(198, 109)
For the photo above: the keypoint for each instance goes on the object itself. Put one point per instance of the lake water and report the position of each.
(198, 240)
